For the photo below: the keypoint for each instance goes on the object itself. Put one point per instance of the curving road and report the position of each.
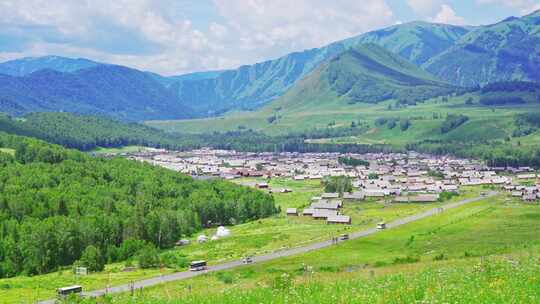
(275, 255)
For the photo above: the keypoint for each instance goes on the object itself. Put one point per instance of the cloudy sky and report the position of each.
(179, 36)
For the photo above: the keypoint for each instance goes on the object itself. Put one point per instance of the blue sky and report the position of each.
(179, 36)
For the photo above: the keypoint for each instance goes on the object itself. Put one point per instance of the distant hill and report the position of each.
(116, 91)
(508, 50)
(366, 73)
(85, 132)
(29, 65)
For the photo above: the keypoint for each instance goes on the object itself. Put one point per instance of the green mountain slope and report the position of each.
(367, 73)
(415, 41)
(251, 86)
(508, 50)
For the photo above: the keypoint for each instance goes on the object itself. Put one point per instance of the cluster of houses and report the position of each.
(327, 207)
(402, 177)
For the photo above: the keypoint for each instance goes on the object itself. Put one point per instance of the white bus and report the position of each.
(66, 291)
(198, 265)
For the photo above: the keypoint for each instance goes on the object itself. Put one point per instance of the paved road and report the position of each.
(275, 255)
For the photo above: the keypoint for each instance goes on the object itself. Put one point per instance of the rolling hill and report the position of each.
(508, 50)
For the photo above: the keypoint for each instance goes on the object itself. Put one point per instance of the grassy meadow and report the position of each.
(126, 149)
(485, 123)
(254, 238)
(483, 252)
(8, 151)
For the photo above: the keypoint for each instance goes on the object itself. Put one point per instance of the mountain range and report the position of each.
(447, 55)
(111, 90)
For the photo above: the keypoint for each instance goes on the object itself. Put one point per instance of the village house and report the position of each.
(355, 196)
(339, 219)
(334, 205)
(308, 212)
(423, 198)
(323, 214)
(292, 212)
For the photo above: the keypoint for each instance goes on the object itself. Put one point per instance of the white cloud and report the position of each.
(159, 35)
(436, 11)
(447, 15)
(280, 26)
(425, 8)
(524, 6)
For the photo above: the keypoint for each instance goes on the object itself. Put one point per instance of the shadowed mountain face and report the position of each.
(508, 50)
(115, 91)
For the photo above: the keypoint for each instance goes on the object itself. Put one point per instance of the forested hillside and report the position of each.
(56, 204)
(85, 132)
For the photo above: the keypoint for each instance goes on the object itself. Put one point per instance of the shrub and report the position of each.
(148, 257)
(446, 195)
(439, 257)
(406, 260)
(328, 269)
(174, 260)
(225, 277)
(404, 124)
(381, 121)
(92, 259)
(453, 121)
(271, 119)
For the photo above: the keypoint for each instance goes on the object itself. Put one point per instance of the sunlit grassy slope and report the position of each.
(484, 252)
(254, 238)
(321, 111)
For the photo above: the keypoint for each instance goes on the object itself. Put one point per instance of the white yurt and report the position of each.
(222, 232)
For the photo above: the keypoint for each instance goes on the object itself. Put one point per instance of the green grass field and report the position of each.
(484, 252)
(8, 151)
(485, 123)
(254, 238)
(126, 149)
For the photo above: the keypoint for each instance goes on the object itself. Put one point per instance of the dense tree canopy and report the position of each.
(55, 203)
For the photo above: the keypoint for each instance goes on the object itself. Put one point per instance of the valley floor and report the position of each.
(485, 123)
(484, 252)
(457, 238)
(255, 238)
